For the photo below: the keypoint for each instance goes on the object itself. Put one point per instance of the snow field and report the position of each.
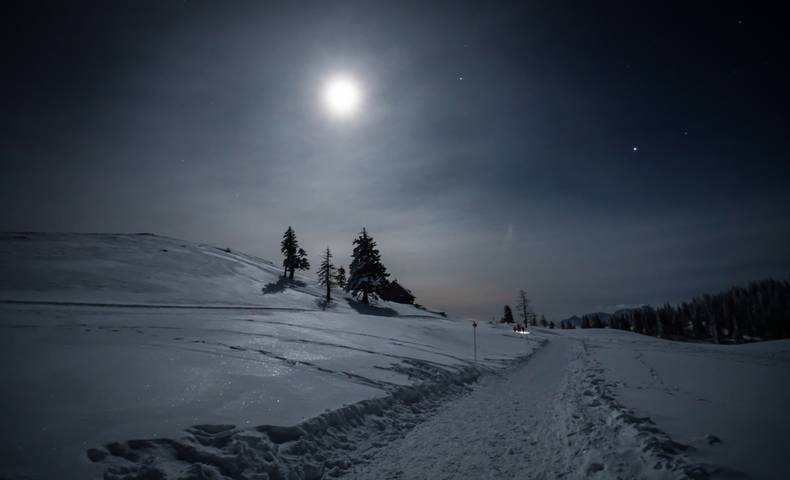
(325, 446)
(142, 357)
(107, 338)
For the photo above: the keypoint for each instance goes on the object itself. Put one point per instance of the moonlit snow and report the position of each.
(141, 357)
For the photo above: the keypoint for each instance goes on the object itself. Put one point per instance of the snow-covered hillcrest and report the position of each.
(144, 357)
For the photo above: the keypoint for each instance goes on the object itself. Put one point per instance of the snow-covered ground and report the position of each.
(728, 406)
(122, 361)
(609, 404)
(108, 338)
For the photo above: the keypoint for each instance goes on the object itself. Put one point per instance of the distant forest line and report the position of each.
(759, 311)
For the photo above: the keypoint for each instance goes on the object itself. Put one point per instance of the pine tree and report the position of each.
(340, 277)
(288, 248)
(326, 274)
(367, 275)
(585, 321)
(508, 318)
(295, 257)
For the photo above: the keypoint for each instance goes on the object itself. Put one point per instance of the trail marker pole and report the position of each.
(474, 329)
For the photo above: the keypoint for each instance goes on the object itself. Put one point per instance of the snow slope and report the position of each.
(121, 361)
(136, 269)
(110, 338)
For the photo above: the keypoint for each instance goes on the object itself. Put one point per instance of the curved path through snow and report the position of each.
(506, 428)
(556, 416)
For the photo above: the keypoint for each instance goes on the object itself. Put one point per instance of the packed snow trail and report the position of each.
(556, 416)
(506, 428)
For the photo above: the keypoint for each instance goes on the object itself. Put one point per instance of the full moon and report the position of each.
(342, 96)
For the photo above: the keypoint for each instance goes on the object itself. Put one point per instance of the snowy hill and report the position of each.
(136, 357)
(107, 338)
(127, 269)
(145, 269)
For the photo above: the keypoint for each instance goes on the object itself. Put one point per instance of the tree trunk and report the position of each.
(291, 276)
(328, 293)
(365, 297)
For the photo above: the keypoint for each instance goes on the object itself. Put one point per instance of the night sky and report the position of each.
(595, 153)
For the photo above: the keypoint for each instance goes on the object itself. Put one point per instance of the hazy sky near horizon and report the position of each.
(596, 155)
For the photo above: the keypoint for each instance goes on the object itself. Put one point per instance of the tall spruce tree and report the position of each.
(295, 257)
(508, 315)
(288, 248)
(367, 275)
(326, 274)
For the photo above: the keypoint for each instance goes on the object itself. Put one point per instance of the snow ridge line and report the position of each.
(325, 446)
(615, 442)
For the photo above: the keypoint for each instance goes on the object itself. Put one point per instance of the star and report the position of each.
(460, 78)
(635, 148)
